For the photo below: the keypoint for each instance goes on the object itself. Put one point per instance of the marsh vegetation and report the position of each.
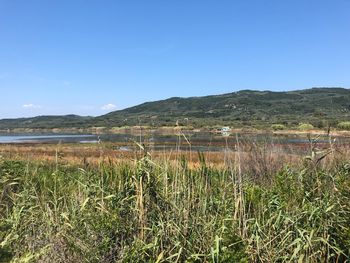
(261, 204)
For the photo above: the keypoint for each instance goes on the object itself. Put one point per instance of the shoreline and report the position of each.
(171, 131)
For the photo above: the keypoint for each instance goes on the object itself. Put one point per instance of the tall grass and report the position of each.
(148, 210)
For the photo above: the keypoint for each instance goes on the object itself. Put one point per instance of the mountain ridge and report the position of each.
(318, 105)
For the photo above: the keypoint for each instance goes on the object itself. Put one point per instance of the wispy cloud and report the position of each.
(108, 106)
(31, 106)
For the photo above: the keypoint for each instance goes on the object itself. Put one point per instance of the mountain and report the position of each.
(245, 107)
(318, 106)
(42, 122)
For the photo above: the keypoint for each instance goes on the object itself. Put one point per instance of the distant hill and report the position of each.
(42, 122)
(245, 107)
(318, 106)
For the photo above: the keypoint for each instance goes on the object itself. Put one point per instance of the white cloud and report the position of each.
(109, 106)
(31, 106)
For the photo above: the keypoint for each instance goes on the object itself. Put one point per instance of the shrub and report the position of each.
(345, 125)
(305, 126)
(278, 127)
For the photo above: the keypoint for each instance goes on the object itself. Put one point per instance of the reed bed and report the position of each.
(258, 206)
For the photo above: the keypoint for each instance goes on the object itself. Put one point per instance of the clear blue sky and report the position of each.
(60, 57)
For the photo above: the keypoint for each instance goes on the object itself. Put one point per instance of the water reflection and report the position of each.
(193, 141)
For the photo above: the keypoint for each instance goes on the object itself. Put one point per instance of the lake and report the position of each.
(48, 138)
(199, 141)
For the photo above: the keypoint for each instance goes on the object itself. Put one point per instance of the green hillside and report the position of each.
(318, 106)
(246, 107)
(43, 122)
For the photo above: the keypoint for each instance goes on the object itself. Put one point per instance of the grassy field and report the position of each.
(255, 204)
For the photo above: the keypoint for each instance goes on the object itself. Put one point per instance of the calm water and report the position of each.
(159, 142)
(49, 138)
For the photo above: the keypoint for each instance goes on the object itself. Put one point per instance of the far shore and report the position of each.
(168, 130)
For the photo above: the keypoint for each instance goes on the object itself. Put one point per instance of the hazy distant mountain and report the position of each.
(45, 122)
(246, 107)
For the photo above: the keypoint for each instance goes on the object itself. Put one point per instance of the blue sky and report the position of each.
(90, 57)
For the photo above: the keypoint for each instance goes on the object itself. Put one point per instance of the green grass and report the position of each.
(147, 211)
